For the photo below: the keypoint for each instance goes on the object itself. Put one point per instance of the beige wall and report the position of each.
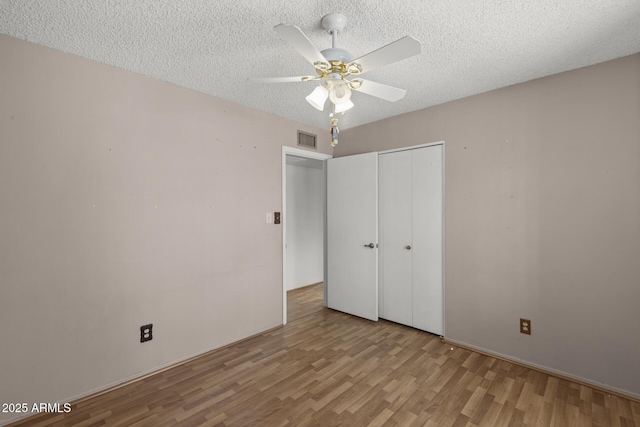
(125, 201)
(542, 217)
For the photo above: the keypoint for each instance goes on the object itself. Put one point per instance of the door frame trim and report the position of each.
(298, 152)
(413, 147)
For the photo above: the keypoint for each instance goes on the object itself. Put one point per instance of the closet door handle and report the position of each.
(408, 247)
(370, 245)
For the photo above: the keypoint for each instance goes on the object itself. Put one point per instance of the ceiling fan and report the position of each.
(338, 73)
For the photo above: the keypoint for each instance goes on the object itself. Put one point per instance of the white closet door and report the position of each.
(352, 227)
(427, 238)
(396, 294)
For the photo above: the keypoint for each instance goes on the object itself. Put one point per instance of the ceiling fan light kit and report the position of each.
(318, 97)
(341, 108)
(339, 91)
(335, 68)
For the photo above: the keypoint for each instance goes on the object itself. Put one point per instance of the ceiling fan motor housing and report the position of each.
(337, 54)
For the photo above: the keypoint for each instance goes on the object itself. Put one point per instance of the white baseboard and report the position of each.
(555, 372)
(136, 377)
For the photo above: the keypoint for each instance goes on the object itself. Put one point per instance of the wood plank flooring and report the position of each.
(302, 302)
(326, 368)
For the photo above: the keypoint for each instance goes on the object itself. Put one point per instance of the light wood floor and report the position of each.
(325, 368)
(302, 302)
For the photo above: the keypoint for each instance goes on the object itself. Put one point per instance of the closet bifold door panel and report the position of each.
(410, 225)
(428, 302)
(395, 278)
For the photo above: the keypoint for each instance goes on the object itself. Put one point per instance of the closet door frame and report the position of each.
(414, 147)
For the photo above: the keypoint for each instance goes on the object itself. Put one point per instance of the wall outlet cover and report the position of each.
(146, 332)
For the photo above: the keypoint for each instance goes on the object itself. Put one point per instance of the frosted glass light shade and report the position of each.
(318, 97)
(340, 92)
(344, 106)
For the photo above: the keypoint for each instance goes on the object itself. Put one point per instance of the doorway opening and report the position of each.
(304, 222)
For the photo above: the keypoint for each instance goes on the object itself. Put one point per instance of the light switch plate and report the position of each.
(269, 217)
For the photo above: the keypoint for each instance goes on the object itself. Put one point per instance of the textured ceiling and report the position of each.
(215, 47)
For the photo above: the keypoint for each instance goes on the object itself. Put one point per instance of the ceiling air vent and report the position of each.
(306, 140)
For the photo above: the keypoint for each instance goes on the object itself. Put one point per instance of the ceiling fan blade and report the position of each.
(300, 42)
(282, 79)
(379, 90)
(401, 49)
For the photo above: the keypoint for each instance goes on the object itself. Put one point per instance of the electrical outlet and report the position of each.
(276, 217)
(525, 326)
(146, 332)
